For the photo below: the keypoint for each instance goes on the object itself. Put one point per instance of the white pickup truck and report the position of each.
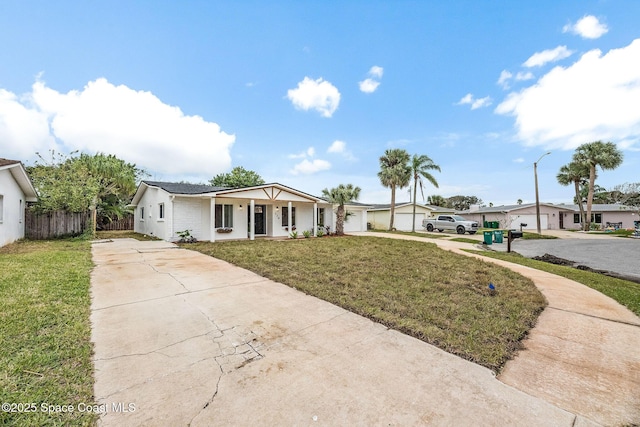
(450, 222)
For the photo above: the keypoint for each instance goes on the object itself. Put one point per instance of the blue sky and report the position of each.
(311, 94)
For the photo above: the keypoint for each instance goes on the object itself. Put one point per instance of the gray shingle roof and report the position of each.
(5, 162)
(184, 187)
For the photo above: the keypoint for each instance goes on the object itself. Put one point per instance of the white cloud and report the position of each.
(340, 147)
(310, 152)
(596, 98)
(538, 59)
(370, 84)
(24, 130)
(475, 103)
(133, 125)
(504, 78)
(307, 167)
(319, 95)
(523, 76)
(518, 160)
(588, 27)
(337, 147)
(376, 72)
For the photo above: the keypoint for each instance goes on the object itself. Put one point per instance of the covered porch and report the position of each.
(265, 211)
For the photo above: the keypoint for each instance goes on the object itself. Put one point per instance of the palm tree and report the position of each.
(341, 195)
(576, 174)
(420, 167)
(594, 154)
(394, 172)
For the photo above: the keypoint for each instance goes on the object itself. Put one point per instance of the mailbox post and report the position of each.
(512, 234)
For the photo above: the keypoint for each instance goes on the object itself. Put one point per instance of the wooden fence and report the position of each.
(39, 226)
(125, 223)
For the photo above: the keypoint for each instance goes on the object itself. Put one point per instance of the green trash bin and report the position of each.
(496, 224)
(485, 224)
(497, 236)
(488, 237)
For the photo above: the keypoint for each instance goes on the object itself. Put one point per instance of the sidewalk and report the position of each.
(583, 353)
(185, 339)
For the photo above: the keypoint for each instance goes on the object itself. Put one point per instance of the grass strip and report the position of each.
(625, 292)
(45, 332)
(414, 287)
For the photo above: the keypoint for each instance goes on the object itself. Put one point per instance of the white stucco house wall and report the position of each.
(163, 209)
(379, 215)
(552, 216)
(16, 190)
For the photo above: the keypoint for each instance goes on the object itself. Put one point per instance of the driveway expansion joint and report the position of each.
(593, 316)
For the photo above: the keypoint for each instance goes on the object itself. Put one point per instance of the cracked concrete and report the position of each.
(191, 340)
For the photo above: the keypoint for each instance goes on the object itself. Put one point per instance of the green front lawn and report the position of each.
(434, 295)
(45, 334)
(625, 292)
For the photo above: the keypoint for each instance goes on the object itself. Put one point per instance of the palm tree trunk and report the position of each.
(579, 202)
(393, 207)
(592, 181)
(415, 189)
(340, 220)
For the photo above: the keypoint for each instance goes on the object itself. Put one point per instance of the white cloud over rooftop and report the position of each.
(595, 98)
(133, 125)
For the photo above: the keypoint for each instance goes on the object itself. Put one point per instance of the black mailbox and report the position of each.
(512, 234)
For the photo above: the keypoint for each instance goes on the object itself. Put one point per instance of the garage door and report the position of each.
(403, 221)
(530, 220)
(354, 223)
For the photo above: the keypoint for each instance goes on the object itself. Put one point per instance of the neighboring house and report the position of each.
(380, 215)
(16, 190)
(164, 209)
(552, 217)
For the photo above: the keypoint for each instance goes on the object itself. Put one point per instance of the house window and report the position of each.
(597, 218)
(160, 210)
(576, 218)
(142, 213)
(285, 216)
(321, 217)
(224, 216)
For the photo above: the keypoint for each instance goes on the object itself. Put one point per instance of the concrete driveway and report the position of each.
(184, 339)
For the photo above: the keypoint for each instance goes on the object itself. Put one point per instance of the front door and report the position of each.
(561, 218)
(259, 216)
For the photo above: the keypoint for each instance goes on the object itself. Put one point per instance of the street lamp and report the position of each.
(535, 175)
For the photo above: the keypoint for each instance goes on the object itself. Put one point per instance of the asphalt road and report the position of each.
(621, 256)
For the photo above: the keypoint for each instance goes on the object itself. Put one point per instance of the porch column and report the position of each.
(252, 220)
(289, 214)
(315, 219)
(213, 219)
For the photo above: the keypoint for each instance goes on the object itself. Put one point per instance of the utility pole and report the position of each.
(535, 176)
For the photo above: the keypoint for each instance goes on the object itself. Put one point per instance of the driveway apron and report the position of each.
(185, 339)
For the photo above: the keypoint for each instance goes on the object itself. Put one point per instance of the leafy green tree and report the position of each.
(116, 181)
(420, 167)
(578, 175)
(626, 194)
(100, 182)
(62, 183)
(462, 203)
(341, 195)
(437, 200)
(395, 172)
(594, 154)
(238, 177)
